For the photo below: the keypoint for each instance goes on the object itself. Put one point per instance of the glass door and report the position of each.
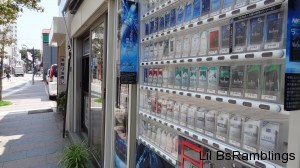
(97, 94)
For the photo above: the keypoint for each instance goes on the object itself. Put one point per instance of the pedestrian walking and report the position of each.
(8, 75)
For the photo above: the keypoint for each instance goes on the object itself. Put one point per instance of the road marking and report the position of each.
(17, 90)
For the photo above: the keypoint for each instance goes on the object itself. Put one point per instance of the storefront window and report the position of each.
(97, 101)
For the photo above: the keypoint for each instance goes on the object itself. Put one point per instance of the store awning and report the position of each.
(58, 32)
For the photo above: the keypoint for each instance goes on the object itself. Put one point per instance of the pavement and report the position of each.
(30, 135)
(24, 95)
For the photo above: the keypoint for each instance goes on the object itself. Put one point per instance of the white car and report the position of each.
(52, 84)
(48, 76)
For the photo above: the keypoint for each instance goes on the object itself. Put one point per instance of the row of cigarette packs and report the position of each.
(161, 136)
(197, 9)
(251, 129)
(256, 34)
(249, 81)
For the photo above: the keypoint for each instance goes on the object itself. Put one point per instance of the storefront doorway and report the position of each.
(98, 90)
(85, 94)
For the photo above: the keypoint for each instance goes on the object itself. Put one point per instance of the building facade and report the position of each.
(48, 53)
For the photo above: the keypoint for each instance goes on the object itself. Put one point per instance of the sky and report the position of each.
(31, 23)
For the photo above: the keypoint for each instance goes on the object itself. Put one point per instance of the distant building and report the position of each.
(48, 53)
(12, 50)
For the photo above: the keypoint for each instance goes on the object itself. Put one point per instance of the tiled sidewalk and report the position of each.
(30, 140)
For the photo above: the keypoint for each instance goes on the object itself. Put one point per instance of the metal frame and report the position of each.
(110, 84)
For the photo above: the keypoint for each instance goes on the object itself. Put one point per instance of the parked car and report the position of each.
(48, 76)
(52, 84)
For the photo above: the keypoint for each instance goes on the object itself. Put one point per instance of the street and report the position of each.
(24, 95)
(30, 133)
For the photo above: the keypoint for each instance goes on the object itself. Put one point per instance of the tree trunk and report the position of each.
(1, 70)
(1, 75)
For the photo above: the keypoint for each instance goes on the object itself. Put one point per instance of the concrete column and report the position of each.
(110, 85)
(132, 125)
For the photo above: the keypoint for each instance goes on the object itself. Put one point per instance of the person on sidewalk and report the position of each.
(8, 75)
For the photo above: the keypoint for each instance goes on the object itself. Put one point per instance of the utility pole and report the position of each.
(33, 59)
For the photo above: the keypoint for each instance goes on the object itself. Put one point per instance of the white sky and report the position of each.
(31, 23)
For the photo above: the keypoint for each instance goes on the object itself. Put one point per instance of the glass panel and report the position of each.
(121, 113)
(97, 83)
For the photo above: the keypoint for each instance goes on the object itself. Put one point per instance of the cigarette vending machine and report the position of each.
(217, 80)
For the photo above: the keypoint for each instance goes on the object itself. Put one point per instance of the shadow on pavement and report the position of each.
(31, 140)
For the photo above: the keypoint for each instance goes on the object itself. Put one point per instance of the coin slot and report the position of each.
(209, 59)
(199, 59)
(264, 107)
(268, 2)
(207, 97)
(234, 57)
(251, 7)
(216, 145)
(200, 22)
(248, 104)
(221, 58)
(267, 54)
(261, 165)
(236, 12)
(249, 56)
(210, 19)
(228, 150)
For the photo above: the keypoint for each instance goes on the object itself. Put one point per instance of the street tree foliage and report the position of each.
(9, 12)
(10, 9)
(28, 63)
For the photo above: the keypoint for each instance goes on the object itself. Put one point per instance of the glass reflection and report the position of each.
(97, 101)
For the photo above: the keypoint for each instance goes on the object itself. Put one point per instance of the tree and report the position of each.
(9, 9)
(9, 12)
(28, 63)
(6, 39)
(37, 53)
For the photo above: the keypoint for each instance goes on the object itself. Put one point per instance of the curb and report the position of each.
(49, 110)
